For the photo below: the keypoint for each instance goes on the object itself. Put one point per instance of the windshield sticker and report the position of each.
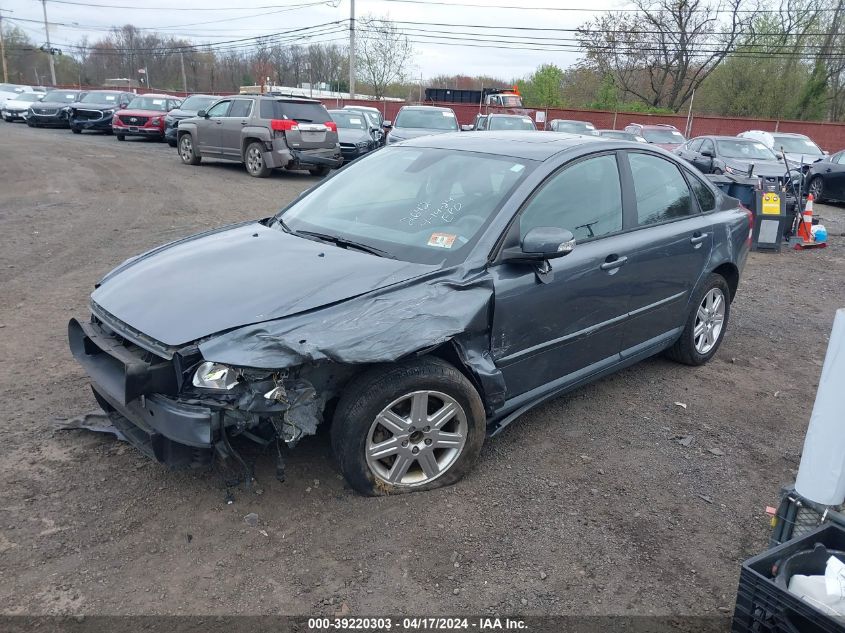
(355, 121)
(442, 240)
(451, 114)
(517, 168)
(158, 101)
(110, 97)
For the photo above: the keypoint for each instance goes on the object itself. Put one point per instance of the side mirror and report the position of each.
(202, 113)
(387, 124)
(123, 106)
(541, 243)
(707, 153)
(467, 128)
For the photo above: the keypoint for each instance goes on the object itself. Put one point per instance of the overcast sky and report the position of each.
(233, 19)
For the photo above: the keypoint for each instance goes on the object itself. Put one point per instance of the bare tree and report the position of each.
(384, 55)
(665, 50)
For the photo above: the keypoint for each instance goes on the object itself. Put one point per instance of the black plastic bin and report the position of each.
(764, 607)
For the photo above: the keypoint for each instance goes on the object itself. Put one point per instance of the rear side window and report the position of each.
(695, 145)
(241, 107)
(705, 196)
(219, 109)
(302, 111)
(661, 191)
(584, 198)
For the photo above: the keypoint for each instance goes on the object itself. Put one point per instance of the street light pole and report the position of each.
(3, 51)
(49, 46)
(184, 78)
(352, 50)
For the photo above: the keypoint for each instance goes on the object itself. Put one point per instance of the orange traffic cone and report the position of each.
(805, 228)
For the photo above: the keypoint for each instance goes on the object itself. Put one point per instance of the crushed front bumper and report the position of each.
(103, 124)
(142, 394)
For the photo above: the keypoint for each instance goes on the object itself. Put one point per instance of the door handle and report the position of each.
(827, 171)
(244, 122)
(698, 238)
(613, 262)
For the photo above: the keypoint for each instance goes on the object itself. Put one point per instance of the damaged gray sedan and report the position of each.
(480, 276)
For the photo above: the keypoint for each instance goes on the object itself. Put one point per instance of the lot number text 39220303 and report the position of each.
(416, 624)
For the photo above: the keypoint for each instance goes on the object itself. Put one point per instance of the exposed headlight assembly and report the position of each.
(215, 376)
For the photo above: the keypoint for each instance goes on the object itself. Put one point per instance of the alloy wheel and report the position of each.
(186, 148)
(816, 187)
(254, 160)
(709, 321)
(416, 438)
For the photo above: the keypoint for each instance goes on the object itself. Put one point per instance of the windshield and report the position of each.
(427, 119)
(663, 136)
(748, 150)
(148, 103)
(29, 96)
(511, 102)
(797, 145)
(100, 97)
(349, 120)
(11, 88)
(575, 127)
(60, 96)
(511, 123)
(197, 103)
(429, 207)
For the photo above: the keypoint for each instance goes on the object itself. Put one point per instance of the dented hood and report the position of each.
(239, 276)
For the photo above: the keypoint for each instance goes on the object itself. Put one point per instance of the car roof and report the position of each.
(518, 144)
(422, 107)
(508, 116)
(722, 137)
(662, 126)
(570, 121)
(157, 95)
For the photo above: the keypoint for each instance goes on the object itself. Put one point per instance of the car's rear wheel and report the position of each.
(76, 130)
(254, 161)
(187, 152)
(817, 188)
(706, 324)
(408, 427)
(121, 137)
(321, 171)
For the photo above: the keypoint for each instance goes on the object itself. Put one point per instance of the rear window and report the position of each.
(302, 111)
(427, 119)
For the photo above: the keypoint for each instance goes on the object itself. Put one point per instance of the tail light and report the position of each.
(331, 125)
(280, 126)
(750, 222)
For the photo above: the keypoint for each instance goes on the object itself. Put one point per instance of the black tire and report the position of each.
(816, 188)
(120, 137)
(76, 130)
(187, 151)
(30, 124)
(254, 160)
(717, 172)
(684, 350)
(371, 392)
(108, 132)
(321, 172)
(9, 119)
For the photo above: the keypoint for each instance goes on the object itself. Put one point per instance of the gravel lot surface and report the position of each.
(588, 504)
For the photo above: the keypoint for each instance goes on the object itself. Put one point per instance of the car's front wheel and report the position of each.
(254, 161)
(121, 137)
(321, 171)
(407, 427)
(706, 323)
(817, 188)
(187, 152)
(76, 130)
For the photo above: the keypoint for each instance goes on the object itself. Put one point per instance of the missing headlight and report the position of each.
(215, 376)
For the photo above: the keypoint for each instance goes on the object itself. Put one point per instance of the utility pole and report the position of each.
(3, 51)
(184, 78)
(49, 46)
(352, 49)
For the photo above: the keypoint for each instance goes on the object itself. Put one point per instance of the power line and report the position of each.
(172, 8)
(575, 9)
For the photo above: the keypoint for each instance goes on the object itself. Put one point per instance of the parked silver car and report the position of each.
(264, 132)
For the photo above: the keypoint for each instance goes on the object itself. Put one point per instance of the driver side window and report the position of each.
(219, 109)
(707, 146)
(584, 198)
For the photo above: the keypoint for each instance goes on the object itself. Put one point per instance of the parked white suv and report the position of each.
(797, 147)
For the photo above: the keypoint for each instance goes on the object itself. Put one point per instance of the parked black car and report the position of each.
(502, 122)
(573, 127)
(95, 110)
(825, 178)
(54, 109)
(421, 314)
(416, 121)
(189, 108)
(731, 155)
(356, 134)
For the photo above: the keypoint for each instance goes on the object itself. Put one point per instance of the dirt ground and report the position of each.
(586, 505)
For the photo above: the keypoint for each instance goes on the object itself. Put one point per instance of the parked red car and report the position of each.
(144, 116)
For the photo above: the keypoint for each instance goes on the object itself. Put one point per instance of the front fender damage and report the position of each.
(325, 347)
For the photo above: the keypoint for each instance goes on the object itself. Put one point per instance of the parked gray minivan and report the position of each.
(264, 132)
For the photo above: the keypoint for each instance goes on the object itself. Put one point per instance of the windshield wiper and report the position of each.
(345, 243)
